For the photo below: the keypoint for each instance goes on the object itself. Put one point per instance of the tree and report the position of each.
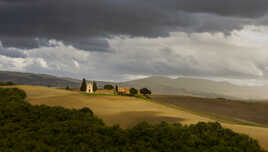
(145, 91)
(95, 88)
(108, 87)
(116, 89)
(83, 85)
(67, 88)
(10, 83)
(133, 91)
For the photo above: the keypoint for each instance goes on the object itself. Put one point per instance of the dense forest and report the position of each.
(24, 127)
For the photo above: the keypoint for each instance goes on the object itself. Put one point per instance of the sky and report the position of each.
(120, 40)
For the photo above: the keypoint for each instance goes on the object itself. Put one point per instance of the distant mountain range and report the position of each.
(199, 87)
(158, 85)
(43, 80)
(38, 79)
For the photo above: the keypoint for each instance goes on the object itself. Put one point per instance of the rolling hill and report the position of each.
(38, 79)
(199, 87)
(158, 85)
(42, 79)
(129, 111)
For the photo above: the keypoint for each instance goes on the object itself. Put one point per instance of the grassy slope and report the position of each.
(256, 113)
(128, 111)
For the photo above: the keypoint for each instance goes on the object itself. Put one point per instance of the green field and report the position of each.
(128, 111)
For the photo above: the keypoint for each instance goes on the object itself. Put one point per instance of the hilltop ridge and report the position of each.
(199, 87)
(158, 85)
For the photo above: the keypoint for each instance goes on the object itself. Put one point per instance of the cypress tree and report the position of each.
(67, 88)
(95, 88)
(116, 89)
(83, 85)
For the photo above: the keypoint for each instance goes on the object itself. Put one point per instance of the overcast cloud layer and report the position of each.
(128, 39)
(76, 22)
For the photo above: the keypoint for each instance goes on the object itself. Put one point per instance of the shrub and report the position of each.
(12, 93)
(67, 88)
(86, 110)
(8, 83)
(145, 91)
(133, 91)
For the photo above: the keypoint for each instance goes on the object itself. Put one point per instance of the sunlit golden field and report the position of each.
(128, 111)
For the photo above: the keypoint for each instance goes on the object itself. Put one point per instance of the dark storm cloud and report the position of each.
(24, 43)
(11, 52)
(73, 19)
(76, 22)
(91, 44)
(239, 8)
